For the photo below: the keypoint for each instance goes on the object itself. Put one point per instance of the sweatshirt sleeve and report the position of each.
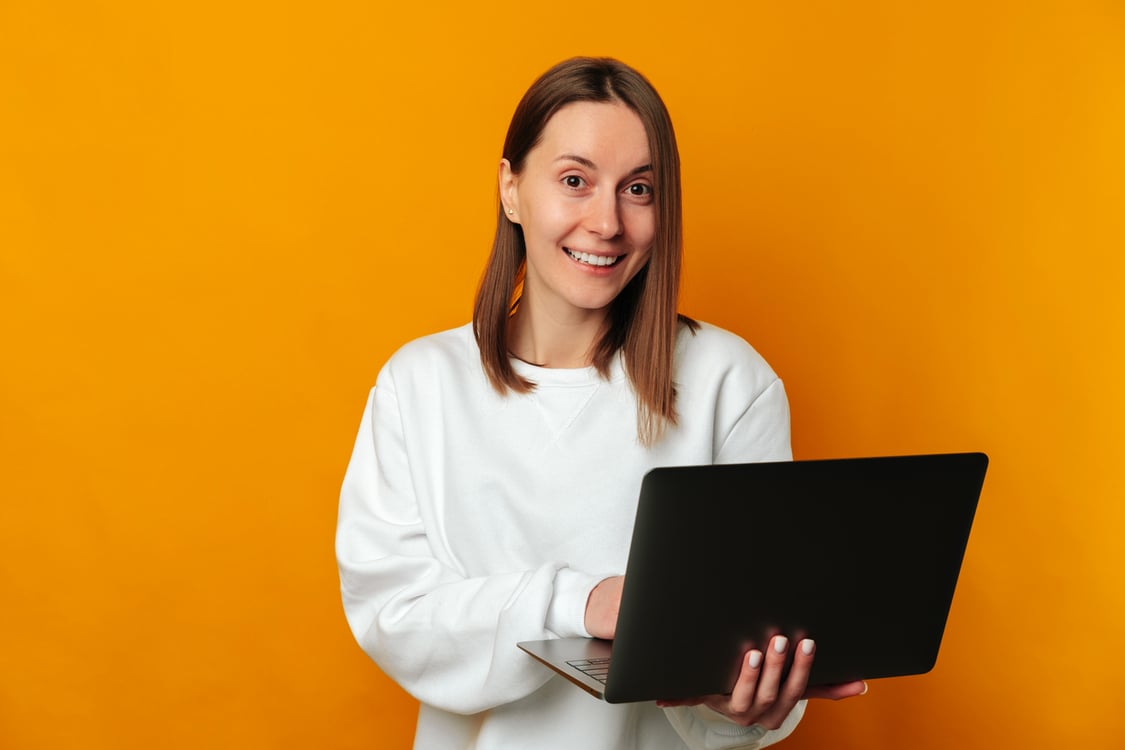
(760, 430)
(446, 638)
(704, 729)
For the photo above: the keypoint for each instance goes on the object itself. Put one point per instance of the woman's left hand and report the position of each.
(760, 697)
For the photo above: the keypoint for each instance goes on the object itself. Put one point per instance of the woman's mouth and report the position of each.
(592, 260)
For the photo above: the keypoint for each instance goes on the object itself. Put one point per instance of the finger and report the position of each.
(797, 681)
(769, 682)
(774, 713)
(837, 692)
(742, 696)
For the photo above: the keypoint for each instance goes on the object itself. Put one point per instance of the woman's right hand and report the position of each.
(602, 606)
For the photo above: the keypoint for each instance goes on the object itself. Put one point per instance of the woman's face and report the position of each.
(585, 203)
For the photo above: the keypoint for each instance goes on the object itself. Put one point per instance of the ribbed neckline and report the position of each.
(567, 377)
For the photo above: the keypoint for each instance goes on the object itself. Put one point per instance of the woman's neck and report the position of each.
(542, 339)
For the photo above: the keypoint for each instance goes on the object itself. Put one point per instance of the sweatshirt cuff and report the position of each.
(704, 729)
(566, 616)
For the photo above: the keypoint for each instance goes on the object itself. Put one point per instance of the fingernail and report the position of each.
(864, 688)
(780, 644)
(807, 646)
(754, 659)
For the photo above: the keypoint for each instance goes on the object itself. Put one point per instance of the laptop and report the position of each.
(860, 554)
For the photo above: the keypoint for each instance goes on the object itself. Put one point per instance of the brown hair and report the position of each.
(643, 321)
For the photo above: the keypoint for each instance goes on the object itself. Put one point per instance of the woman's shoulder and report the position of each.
(434, 354)
(708, 346)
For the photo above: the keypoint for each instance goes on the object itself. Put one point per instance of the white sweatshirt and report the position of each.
(470, 521)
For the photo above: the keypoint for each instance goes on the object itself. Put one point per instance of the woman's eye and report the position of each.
(572, 181)
(640, 189)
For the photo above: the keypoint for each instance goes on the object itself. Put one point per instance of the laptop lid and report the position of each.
(860, 554)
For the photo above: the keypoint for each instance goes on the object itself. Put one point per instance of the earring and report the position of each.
(510, 212)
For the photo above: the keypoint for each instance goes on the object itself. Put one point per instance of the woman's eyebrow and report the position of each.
(591, 165)
(580, 159)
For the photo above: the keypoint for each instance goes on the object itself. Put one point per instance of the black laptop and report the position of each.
(860, 554)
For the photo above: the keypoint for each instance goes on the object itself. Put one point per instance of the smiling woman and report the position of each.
(473, 435)
(631, 135)
(584, 204)
(215, 217)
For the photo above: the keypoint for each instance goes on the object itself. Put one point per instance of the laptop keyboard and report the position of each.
(596, 668)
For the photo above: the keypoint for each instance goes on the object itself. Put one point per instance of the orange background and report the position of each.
(218, 219)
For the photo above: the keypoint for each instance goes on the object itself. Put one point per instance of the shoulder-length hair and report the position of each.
(643, 319)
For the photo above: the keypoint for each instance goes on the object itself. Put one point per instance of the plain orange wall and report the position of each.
(218, 219)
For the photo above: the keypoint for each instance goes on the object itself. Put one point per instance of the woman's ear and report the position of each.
(509, 191)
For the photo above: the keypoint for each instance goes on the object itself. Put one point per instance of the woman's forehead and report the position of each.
(607, 134)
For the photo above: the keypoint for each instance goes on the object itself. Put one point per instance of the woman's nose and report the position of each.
(604, 217)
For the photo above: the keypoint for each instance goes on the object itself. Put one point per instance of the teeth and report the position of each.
(593, 260)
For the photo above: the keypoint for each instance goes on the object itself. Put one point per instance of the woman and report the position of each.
(492, 489)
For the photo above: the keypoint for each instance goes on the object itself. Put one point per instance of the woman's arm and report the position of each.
(760, 432)
(448, 639)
